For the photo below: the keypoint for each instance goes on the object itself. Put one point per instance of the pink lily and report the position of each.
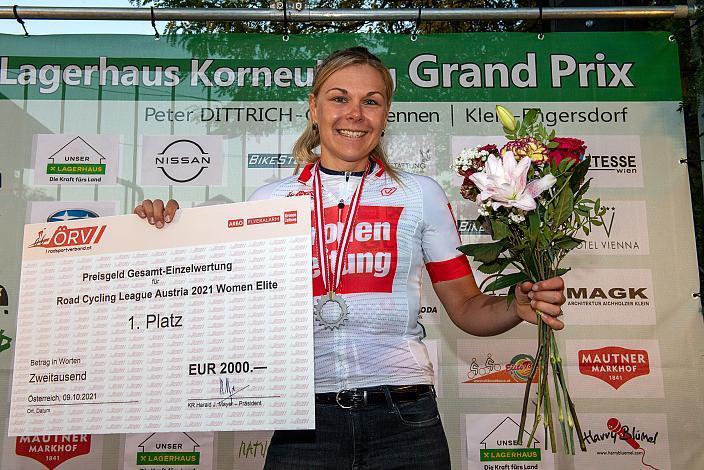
(504, 182)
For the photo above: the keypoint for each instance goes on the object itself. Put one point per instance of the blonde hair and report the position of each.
(338, 60)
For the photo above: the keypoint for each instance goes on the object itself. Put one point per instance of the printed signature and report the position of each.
(228, 391)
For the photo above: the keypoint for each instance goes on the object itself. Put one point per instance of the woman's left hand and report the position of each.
(544, 297)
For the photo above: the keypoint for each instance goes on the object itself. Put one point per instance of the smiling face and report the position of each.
(350, 111)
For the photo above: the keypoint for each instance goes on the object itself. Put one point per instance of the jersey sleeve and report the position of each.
(264, 192)
(440, 238)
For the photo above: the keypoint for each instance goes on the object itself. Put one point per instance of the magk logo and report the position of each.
(614, 365)
(64, 237)
(52, 451)
(371, 257)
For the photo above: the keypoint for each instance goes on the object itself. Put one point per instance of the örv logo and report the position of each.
(613, 364)
(69, 237)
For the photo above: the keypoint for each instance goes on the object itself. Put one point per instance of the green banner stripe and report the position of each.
(75, 169)
(622, 66)
(168, 458)
(505, 455)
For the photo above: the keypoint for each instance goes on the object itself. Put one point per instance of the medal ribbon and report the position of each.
(332, 276)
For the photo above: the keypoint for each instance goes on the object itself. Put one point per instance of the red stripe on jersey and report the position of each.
(306, 174)
(454, 268)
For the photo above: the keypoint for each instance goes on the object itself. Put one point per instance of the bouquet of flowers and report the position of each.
(530, 195)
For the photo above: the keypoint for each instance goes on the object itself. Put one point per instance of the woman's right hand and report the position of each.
(155, 212)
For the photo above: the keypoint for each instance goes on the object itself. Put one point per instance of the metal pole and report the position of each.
(363, 14)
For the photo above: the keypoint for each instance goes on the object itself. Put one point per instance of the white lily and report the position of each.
(504, 182)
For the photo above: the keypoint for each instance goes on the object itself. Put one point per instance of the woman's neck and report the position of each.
(336, 164)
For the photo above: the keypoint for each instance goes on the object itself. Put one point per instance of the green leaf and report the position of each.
(563, 207)
(484, 252)
(506, 281)
(561, 271)
(578, 174)
(499, 230)
(533, 228)
(582, 190)
(495, 267)
(568, 243)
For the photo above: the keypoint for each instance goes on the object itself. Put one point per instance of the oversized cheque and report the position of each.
(202, 326)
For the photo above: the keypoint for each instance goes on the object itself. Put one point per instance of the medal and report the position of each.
(331, 309)
(336, 312)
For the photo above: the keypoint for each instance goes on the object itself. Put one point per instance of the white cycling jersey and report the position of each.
(399, 227)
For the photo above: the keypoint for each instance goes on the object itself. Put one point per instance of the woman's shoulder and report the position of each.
(274, 189)
(425, 183)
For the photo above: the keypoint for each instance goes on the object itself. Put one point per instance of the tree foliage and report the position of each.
(398, 27)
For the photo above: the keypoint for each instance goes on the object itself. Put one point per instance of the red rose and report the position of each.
(569, 148)
(469, 190)
(491, 148)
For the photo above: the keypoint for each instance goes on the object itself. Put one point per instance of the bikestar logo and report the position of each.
(613, 364)
(71, 214)
(182, 160)
(516, 371)
(77, 157)
(52, 451)
(372, 252)
(64, 238)
(470, 227)
(271, 160)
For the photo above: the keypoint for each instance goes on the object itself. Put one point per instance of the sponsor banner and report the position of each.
(616, 161)
(156, 451)
(62, 211)
(412, 153)
(624, 232)
(609, 297)
(624, 441)
(588, 66)
(72, 159)
(250, 450)
(182, 160)
(492, 444)
(616, 368)
(433, 347)
(494, 368)
(65, 452)
(268, 158)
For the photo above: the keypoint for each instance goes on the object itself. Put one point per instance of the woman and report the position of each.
(375, 405)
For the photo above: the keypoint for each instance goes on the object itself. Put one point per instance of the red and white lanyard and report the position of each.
(332, 276)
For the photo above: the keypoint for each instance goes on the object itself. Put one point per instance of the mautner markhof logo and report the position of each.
(69, 239)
